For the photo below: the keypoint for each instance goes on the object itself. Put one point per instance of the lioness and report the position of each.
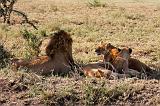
(120, 62)
(110, 52)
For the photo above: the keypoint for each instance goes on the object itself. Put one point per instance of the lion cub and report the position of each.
(117, 57)
(121, 60)
(95, 70)
(109, 53)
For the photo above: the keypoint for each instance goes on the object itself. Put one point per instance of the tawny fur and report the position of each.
(120, 62)
(95, 70)
(59, 58)
(132, 63)
(109, 51)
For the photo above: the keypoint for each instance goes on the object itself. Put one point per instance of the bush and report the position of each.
(4, 57)
(33, 43)
(96, 3)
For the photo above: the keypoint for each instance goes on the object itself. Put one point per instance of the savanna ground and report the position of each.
(131, 23)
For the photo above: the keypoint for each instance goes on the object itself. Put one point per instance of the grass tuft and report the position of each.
(96, 3)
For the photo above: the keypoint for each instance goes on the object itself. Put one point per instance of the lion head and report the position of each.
(124, 53)
(104, 48)
(61, 41)
(108, 51)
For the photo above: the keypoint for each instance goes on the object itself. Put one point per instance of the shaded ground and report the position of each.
(29, 89)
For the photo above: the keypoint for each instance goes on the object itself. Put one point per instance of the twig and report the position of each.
(26, 18)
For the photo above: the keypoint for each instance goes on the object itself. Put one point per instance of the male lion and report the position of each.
(110, 52)
(59, 58)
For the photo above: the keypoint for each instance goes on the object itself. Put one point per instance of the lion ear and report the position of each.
(108, 45)
(130, 50)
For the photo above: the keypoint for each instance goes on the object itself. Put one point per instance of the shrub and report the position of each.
(33, 43)
(96, 3)
(4, 56)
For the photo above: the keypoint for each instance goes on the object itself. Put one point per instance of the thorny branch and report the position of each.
(6, 8)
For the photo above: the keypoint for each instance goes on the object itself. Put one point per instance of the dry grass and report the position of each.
(135, 24)
(30, 89)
